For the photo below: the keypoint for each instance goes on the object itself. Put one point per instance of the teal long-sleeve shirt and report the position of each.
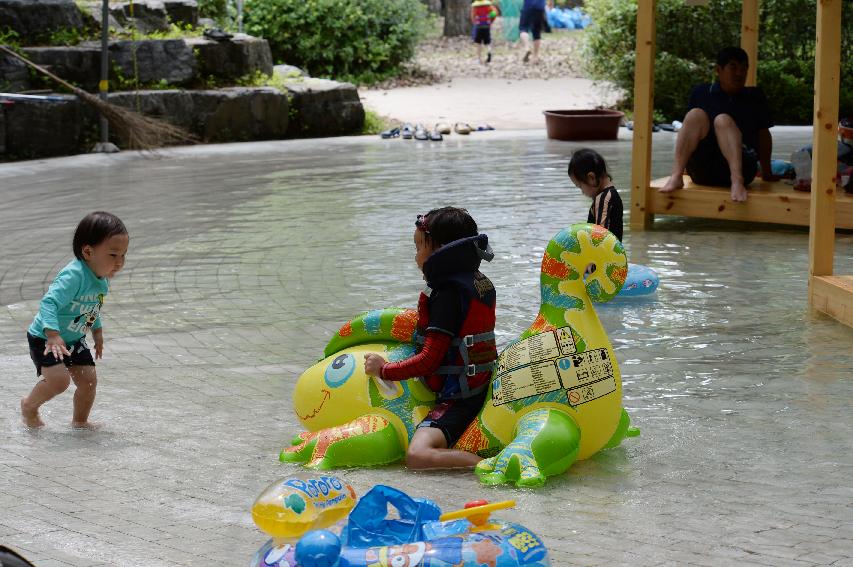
(72, 304)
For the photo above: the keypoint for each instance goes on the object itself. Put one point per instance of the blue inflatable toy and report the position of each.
(419, 536)
(641, 280)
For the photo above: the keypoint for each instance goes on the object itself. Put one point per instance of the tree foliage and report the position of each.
(357, 40)
(688, 38)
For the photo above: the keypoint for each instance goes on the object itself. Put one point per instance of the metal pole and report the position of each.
(104, 85)
(104, 146)
(240, 16)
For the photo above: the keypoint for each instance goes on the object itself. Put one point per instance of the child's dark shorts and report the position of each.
(452, 417)
(482, 34)
(80, 354)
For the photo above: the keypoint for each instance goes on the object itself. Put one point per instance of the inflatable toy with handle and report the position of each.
(420, 535)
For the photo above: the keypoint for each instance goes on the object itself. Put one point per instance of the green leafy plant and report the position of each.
(10, 39)
(688, 38)
(363, 42)
(214, 9)
(67, 36)
(374, 123)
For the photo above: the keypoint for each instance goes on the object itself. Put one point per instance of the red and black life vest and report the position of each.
(453, 271)
(484, 13)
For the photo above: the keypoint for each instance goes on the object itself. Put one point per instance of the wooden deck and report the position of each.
(833, 295)
(771, 202)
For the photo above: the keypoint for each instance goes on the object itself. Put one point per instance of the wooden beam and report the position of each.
(833, 295)
(641, 150)
(749, 37)
(770, 202)
(824, 149)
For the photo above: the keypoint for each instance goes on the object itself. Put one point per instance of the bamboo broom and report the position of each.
(140, 132)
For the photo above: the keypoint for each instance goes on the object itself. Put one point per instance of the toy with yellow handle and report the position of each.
(477, 512)
(556, 395)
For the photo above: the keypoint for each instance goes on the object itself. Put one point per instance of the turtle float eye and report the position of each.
(339, 370)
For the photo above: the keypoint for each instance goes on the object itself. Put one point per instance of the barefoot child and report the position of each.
(71, 307)
(456, 320)
(588, 172)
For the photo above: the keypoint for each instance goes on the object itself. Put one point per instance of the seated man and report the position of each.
(726, 130)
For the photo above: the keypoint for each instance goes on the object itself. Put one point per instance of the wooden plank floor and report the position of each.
(833, 295)
(772, 202)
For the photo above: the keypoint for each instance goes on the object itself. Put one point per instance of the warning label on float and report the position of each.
(587, 375)
(547, 362)
(538, 348)
(531, 380)
(592, 391)
(529, 367)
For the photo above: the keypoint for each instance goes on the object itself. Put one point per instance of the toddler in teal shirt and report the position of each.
(71, 306)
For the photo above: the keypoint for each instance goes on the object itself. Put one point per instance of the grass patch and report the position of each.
(375, 123)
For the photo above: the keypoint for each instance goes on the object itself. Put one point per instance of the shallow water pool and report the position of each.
(244, 259)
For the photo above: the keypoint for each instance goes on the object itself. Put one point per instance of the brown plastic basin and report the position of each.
(583, 124)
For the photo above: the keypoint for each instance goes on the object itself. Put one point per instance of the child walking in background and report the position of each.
(71, 306)
(483, 13)
(588, 172)
(456, 331)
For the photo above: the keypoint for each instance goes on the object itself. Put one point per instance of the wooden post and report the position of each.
(749, 37)
(641, 152)
(824, 153)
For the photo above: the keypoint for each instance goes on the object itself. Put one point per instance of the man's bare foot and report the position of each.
(30, 415)
(674, 183)
(738, 192)
(87, 425)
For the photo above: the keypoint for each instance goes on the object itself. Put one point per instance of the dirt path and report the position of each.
(450, 85)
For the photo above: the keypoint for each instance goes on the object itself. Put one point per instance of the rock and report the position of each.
(34, 22)
(225, 115)
(80, 65)
(321, 107)
(93, 14)
(45, 128)
(156, 60)
(182, 12)
(233, 58)
(145, 16)
(288, 71)
(3, 128)
(14, 75)
(169, 60)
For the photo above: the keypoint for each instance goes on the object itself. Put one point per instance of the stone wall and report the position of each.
(35, 21)
(324, 108)
(240, 56)
(62, 124)
(312, 107)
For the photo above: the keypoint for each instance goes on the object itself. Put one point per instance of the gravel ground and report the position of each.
(441, 59)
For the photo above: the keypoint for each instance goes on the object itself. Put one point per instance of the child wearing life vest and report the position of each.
(455, 331)
(483, 13)
(70, 308)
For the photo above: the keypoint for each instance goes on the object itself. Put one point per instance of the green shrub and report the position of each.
(362, 41)
(688, 38)
(214, 9)
(374, 123)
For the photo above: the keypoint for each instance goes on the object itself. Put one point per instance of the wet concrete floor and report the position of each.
(245, 258)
